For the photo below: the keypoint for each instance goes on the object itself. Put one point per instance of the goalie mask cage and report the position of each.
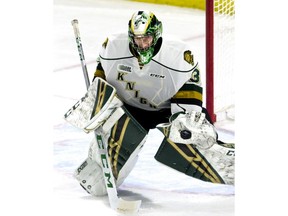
(220, 15)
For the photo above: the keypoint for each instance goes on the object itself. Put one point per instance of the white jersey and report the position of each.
(152, 86)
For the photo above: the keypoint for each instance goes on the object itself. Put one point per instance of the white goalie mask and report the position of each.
(144, 32)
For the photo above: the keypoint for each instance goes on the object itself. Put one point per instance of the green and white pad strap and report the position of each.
(97, 105)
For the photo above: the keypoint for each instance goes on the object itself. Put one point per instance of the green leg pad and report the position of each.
(127, 136)
(187, 159)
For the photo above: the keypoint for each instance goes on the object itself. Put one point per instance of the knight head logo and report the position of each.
(188, 57)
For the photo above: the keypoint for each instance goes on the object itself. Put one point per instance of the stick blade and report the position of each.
(126, 207)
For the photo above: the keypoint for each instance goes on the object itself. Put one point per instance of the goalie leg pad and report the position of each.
(89, 175)
(215, 164)
(126, 140)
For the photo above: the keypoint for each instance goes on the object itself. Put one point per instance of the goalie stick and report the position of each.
(116, 203)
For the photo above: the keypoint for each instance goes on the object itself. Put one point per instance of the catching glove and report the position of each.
(190, 128)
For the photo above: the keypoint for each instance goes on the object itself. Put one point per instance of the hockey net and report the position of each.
(220, 88)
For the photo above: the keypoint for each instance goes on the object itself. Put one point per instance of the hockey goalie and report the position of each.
(143, 82)
(190, 144)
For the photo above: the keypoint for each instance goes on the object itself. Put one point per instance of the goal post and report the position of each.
(220, 16)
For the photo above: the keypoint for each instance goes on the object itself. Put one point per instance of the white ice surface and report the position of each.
(163, 191)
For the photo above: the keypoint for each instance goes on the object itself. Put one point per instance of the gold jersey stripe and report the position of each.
(188, 95)
(100, 73)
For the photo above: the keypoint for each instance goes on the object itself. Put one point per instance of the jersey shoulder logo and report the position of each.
(188, 57)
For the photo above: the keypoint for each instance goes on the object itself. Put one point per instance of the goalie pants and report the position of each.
(149, 119)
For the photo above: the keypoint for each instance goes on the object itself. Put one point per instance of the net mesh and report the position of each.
(224, 92)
